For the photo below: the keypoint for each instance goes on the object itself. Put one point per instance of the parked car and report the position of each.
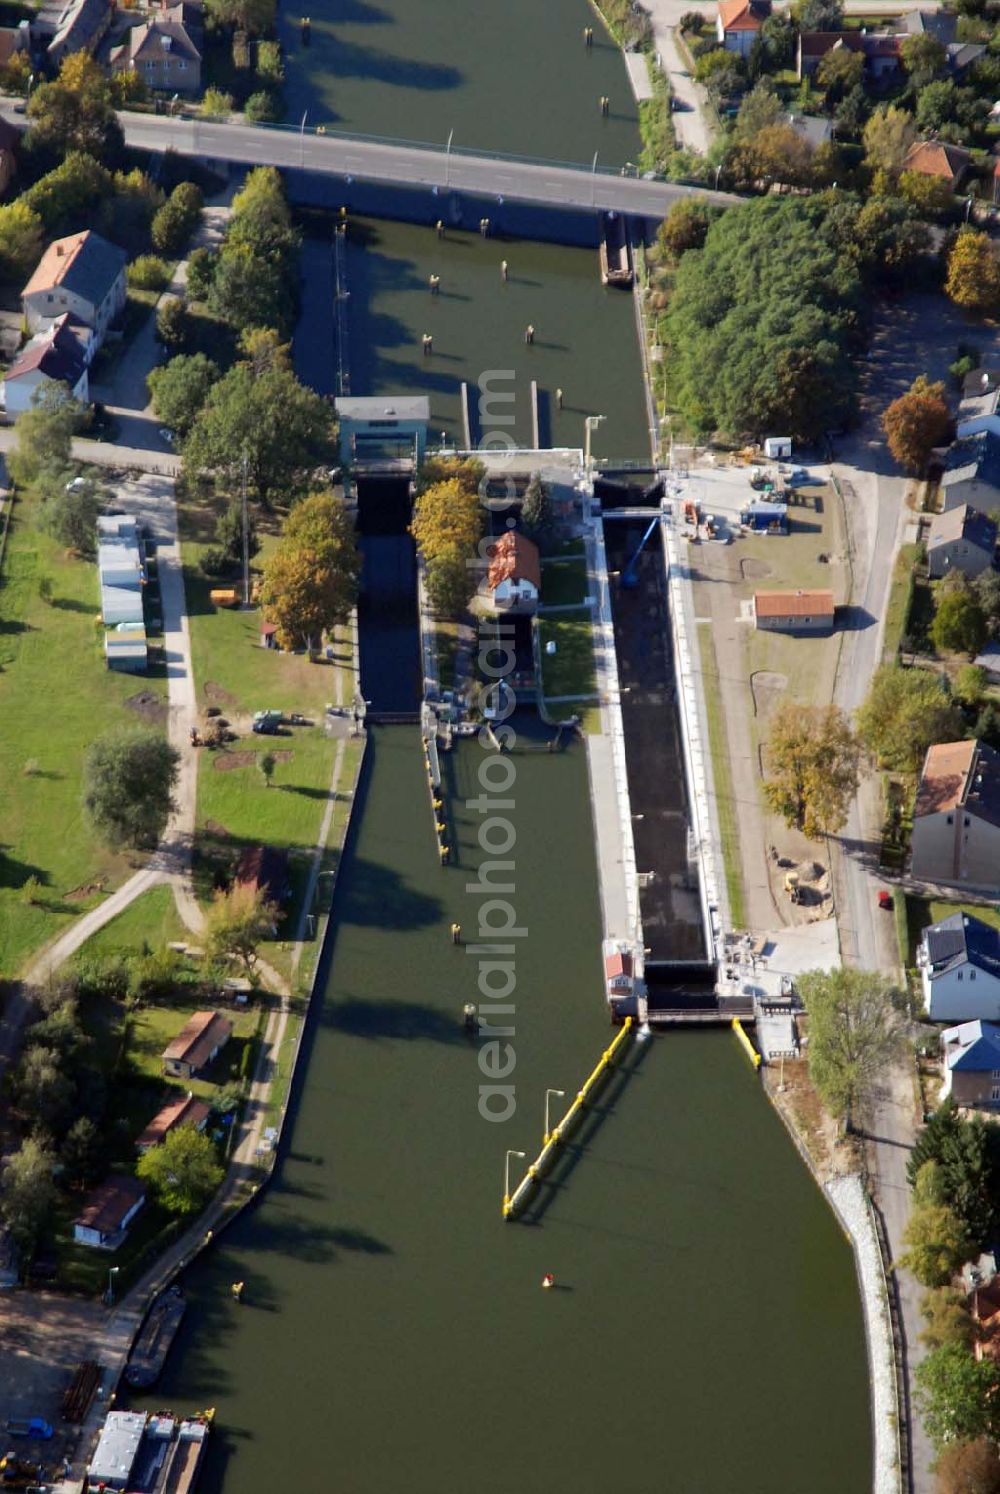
(29, 1426)
(266, 723)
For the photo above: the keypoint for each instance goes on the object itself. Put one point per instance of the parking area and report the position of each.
(43, 1338)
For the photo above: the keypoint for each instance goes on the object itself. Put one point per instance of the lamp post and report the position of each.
(31, 84)
(447, 160)
(560, 1094)
(506, 1179)
(593, 181)
(590, 424)
(302, 138)
(110, 1294)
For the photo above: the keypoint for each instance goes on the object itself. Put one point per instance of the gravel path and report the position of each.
(852, 1208)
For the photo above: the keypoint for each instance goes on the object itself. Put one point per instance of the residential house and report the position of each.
(76, 26)
(9, 142)
(265, 870)
(163, 54)
(958, 961)
(198, 1044)
(514, 577)
(57, 356)
(184, 1112)
(104, 1219)
(941, 24)
(793, 611)
(83, 274)
(948, 163)
(961, 56)
(738, 24)
(972, 466)
(813, 128)
(971, 1051)
(962, 539)
(880, 51)
(956, 818)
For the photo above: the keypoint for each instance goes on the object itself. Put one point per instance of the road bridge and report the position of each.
(404, 163)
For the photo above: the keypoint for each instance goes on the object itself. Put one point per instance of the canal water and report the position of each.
(585, 337)
(511, 77)
(705, 1333)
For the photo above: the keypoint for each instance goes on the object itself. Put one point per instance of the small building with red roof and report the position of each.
(739, 22)
(187, 1111)
(514, 577)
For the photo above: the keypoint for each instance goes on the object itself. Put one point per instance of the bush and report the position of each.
(269, 63)
(214, 562)
(693, 21)
(215, 104)
(148, 273)
(263, 108)
(176, 220)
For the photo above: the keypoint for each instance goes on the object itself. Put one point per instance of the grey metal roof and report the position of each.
(975, 457)
(117, 1447)
(962, 939)
(965, 523)
(940, 24)
(972, 1047)
(385, 407)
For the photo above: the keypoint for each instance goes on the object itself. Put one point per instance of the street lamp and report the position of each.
(506, 1178)
(447, 160)
(560, 1094)
(302, 137)
(112, 1273)
(590, 424)
(593, 181)
(31, 84)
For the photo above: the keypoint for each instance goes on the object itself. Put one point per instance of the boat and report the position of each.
(616, 251)
(149, 1454)
(150, 1350)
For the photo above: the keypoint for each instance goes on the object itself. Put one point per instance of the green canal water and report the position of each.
(509, 76)
(585, 336)
(705, 1333)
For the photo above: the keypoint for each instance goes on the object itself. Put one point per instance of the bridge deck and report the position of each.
(402, 163)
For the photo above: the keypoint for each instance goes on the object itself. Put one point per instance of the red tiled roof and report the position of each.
(619, 963)
(186, 1111)
(946, 771)
(514, 558)
(107, 1205)
(793, 603)
(198, 1037)
(743, 15)
(936, 158)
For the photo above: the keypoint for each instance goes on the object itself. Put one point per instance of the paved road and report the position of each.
(406, 165)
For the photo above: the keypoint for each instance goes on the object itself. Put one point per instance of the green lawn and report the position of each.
(900, 596)
(564, 583)
(922, 911)
(151, 920)
(570, 670)
(56, 695)
(446, 648)
(722, 774)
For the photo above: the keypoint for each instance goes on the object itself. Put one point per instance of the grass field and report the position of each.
(570, 670)
(152, 920)
(721, 772)
(564, 583)
(898, 607)
(56, 696)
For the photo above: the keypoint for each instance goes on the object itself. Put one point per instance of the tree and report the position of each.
(447, 520)
(854, 1035)
(958, 1395)
(935, 1237)
(180, 388)
(723, 73)
(149, 273)
(537, 518)
(758, 109)
(263, 106)
(450, 582)
(201, 267)
(266, 766)
(310, 579)
(965, 1154)
(959, 624)
(839, 72)
(987, 589)
(71, 190)
(937, 104)
(777, 153)
(887, 137)
(74, 113)
(812, 767)
(173, 323)
(915, 423)
(82, 1153)
(252, 16)
(971, 684)
(281, 428)
(778, 37)
(973, 278)
(229, 532)
(923, 57)
(249, 290)
(238, 922)
(70, 514)
(969, 1468)
(44, 1094)
(262, 349)
(821, 15)
(20, 240)
(27, 1194)
(175, 222)
(685, 226)
(929, 196)
(946, 1316)
(905, 712)
(128, 781)
(215, 104)
(183, 1171)
(44, 435)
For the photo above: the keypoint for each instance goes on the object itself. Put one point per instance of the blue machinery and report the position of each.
(630, 573)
